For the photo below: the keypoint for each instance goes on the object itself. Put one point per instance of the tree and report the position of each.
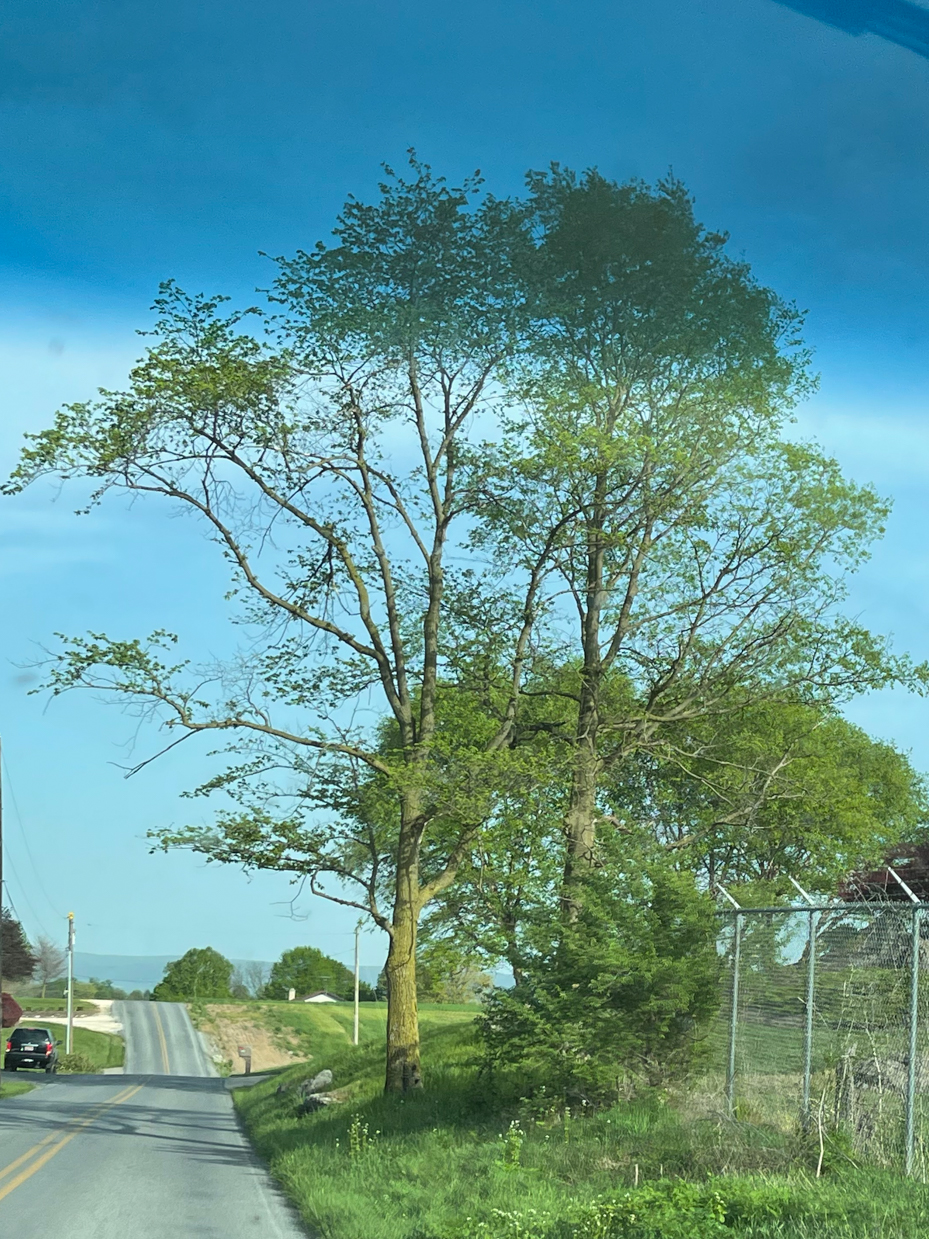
(18, 959)
(775, 789)
(701, 550)
(743, 799)
(201, 973)
(341, 444)
(446, 972)
(306, 970)
(249, 978)
(636, 381)
(49, 961)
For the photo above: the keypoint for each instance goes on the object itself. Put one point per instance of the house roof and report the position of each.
(319, 995)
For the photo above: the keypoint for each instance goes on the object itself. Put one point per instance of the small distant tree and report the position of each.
(306, 970)
(18, 958)
(105, 989)
(201, 973)
(49, 962)
(255, 974)
(447, 973)
(249, 978)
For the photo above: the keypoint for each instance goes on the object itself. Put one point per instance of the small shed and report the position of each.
(321, 995)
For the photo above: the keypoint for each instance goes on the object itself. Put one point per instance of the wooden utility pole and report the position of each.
(69, 1034)
(357, 932)
(1, 906)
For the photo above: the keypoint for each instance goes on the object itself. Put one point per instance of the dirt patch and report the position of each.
(98, 1016)
(228, 1028)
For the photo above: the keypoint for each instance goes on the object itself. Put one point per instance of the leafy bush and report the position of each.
(617, 998)
(76, 1064)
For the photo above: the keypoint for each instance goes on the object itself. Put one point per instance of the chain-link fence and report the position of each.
(824, 1025)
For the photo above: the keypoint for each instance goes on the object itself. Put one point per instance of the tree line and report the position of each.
(542, 593)
(203, 973)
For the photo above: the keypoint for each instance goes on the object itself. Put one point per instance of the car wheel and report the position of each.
(9, 1068)
(49, 1070)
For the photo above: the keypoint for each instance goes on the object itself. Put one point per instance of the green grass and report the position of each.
(51, 1006)
(14, 1088)
(317, 1031)
(446, 1163)
(102, 1049)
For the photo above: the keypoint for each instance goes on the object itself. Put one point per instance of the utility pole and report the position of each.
(357, 932)
(69, 1033)
(1, 901)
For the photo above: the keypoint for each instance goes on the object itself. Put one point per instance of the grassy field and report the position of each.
(101, 1049)
(456, 1162)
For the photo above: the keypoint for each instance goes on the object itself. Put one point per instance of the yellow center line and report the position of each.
(76, 1125)
(55, 1134)
(161, 1038)
(29, 1152)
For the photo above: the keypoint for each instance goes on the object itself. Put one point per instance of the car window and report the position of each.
(29, 1036)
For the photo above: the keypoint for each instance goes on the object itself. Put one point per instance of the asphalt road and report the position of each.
(152, 1154)
(161, 1041)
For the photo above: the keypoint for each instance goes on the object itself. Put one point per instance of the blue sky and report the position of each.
(140, 142)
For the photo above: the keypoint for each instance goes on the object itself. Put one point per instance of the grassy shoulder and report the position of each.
(459, 1161)
(13, 1088)
(101, 1049)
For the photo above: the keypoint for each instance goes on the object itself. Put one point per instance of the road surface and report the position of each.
(161, 1041)
(151, 1154)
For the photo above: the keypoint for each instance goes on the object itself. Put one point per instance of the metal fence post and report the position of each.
(808, 1029)
(734, 1015)
(911, 1065)
(805, 1113)
(917, 914)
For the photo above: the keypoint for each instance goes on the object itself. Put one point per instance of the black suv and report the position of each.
(31, 1047)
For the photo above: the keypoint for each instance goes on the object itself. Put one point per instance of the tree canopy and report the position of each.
(307, 970)
(200, 973)
(19, 960)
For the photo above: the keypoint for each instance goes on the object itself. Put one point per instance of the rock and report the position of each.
(310, 1093)
(317, 1084)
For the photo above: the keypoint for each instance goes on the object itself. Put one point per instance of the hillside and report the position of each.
(283, 1033)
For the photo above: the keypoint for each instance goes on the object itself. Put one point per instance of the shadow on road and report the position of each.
(158, 1115)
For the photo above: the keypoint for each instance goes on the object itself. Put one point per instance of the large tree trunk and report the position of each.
(404, 1069)
(580, 819)
(403, 1062)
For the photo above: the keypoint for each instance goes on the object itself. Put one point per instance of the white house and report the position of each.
(321, 995)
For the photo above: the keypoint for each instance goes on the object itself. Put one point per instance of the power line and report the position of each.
(35, 915)
(25, 838)
(10, 904)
